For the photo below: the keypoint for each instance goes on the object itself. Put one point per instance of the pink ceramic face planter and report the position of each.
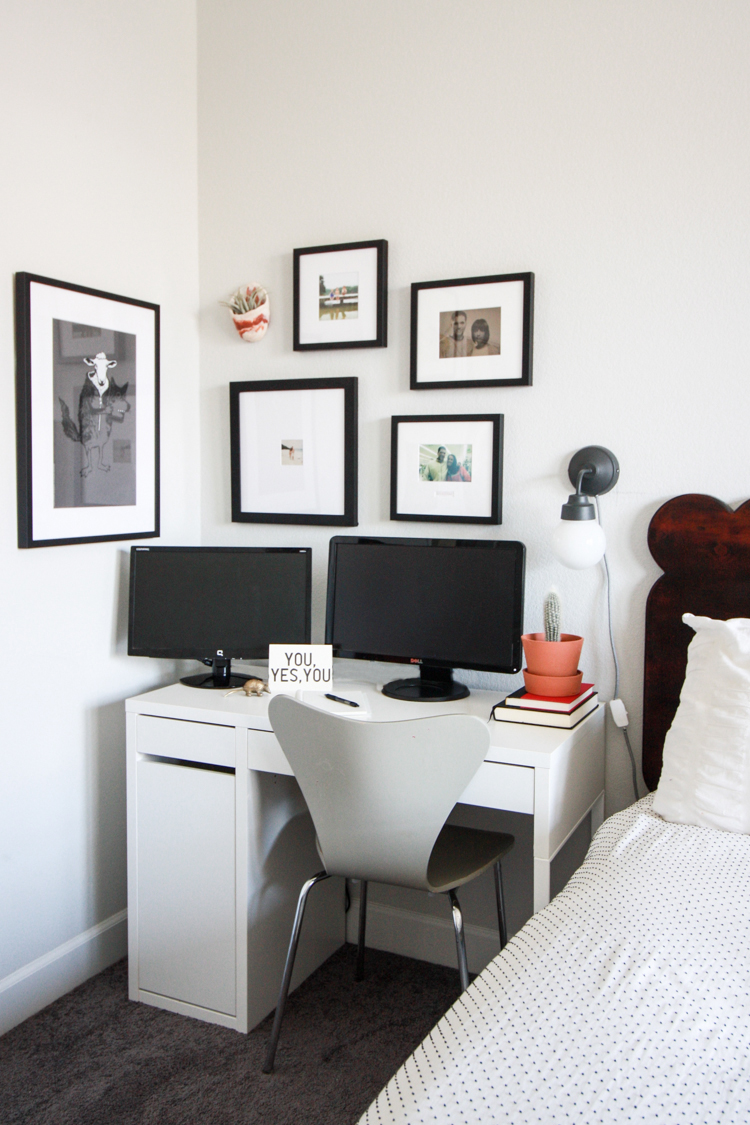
(250, 312)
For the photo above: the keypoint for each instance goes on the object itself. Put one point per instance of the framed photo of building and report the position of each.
(472, 332)
(341, 296)
(447, 468)
(87, 414)
(294, 451)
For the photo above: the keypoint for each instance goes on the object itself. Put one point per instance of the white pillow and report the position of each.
(705, 779)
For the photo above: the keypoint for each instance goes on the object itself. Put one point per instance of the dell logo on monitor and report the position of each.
(415, 660)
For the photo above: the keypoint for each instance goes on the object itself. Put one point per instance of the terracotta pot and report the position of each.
(552, 685)
(252, 325)
(552, 658)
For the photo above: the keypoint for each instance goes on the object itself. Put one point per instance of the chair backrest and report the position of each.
(378, 793)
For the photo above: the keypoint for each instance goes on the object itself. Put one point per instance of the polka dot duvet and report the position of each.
(626, 1000)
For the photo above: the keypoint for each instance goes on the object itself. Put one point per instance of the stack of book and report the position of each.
(547, 710)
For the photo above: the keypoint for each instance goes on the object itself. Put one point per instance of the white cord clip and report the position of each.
(619, 714)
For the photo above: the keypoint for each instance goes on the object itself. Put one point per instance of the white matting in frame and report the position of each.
(458, 500)
(472, 331)
(274, 422)
(340, 296)
(52, 520)
(294, 451)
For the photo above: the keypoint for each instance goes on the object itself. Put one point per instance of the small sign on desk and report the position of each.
(291, 667)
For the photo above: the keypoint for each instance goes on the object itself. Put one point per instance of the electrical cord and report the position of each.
(608, 586)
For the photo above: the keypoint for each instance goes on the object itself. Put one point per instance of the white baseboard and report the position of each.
(34, 986)
(422, 936)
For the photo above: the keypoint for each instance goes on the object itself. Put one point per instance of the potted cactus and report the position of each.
(552, 657)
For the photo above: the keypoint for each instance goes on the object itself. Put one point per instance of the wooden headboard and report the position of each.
(703, 547)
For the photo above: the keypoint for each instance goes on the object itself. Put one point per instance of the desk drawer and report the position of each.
(497, 786)
(179, 738)
(265, 754)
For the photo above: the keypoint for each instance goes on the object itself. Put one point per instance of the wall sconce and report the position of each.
(578, 541)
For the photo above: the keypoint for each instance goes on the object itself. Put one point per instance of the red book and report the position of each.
(546, 718)
(562, 704)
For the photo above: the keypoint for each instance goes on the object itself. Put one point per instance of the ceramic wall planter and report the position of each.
(250, 308)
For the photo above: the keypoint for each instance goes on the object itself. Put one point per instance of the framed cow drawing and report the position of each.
(87, 414)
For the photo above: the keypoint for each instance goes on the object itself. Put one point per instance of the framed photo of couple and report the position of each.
(341, 296)
(472, 332)
(447, 468)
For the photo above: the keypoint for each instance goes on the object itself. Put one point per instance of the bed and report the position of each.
(627, 999)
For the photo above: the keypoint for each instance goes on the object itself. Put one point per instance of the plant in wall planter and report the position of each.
(249, 306)
(552, 657)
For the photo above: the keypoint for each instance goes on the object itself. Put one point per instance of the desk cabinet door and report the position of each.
(186, 883)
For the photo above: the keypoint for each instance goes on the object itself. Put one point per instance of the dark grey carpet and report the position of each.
(95, 1058)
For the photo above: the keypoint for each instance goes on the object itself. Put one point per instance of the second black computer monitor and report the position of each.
(438, 604)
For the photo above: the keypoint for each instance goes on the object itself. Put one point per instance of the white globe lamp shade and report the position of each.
(579, 543)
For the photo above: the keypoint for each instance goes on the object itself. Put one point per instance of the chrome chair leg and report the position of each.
(501, 921)
(458, 926)
(288, 969)
(359, 973)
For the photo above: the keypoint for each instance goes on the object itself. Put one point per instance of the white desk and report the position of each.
(218, 850)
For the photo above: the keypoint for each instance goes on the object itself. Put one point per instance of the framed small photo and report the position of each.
(472, 332)
(87, 414)
(447, 467)
(341, 296)
(294, 451)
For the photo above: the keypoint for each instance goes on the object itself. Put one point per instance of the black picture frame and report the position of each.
(312, 331)
(507, 297)
(411, 502)
(327, 449)
(70, 489)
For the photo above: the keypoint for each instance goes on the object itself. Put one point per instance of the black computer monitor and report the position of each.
(436, 603)
(217, 604)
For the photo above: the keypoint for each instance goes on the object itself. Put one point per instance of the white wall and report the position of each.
(98, 173)
(602, 145)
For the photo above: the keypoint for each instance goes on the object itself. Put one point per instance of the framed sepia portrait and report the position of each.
(447, 468)
(87, 414)
(472, 332)
(293, 446)
(341, 296)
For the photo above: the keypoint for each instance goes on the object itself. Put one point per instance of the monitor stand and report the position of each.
(220, 676)
(434, 685)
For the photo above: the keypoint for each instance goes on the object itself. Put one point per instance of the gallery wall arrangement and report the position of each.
(88, 447)
(87, 414)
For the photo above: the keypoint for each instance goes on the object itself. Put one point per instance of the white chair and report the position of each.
(379, 795)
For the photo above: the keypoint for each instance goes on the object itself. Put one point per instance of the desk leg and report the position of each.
(542, 858)
(597, 814)
(541, 883)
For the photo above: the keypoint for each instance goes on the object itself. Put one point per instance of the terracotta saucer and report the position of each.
(552, 685)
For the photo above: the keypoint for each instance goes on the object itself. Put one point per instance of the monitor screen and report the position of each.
(195, 602)
(443, 603)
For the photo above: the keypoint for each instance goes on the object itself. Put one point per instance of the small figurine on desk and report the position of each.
(253, 686)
